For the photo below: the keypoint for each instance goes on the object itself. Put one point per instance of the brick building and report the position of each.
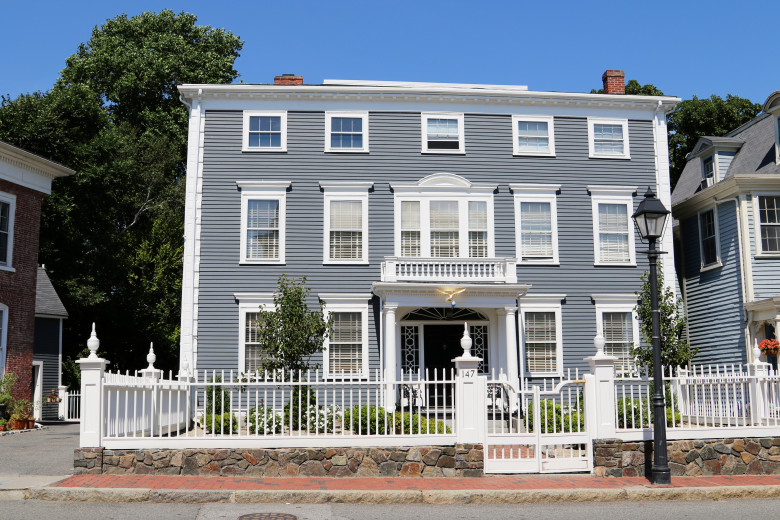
(25, 179)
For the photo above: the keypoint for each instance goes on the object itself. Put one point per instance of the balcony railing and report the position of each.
(395, 269)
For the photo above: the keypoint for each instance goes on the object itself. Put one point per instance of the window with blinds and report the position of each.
(444, 224)
(769, 213)
(345, 344)
(619, 336)
(253, 356)
(613, 232)
(541, 342)
(536, 233)
(410, 228)
(346, 229)
(478, 229)
(5, 228)
(533, 137)
(262, 229)
(608, 139)
(442, 134)
(708, 236)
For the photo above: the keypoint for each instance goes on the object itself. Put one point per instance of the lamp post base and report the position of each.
(660, 477)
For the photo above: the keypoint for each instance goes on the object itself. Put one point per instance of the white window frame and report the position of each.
(269, 113)
(777, 140)
(353, 115)
(717, 263)
(543, 303)
(346, 191)
(463, 200)
(592, 121)
(757, 220)
(617, 303)
(351, 302)
(9, 199)
(3, 337)
(613, 195)
(709, 181)
(249, 302)
(442, 115)
(263, 190)
(536, 193)
(550, 120)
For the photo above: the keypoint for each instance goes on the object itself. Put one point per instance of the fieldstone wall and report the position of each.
(461, 460)
(728, 456)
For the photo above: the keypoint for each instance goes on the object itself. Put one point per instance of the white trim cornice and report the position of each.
(385, 289)
(614, 298)
(621, 190)
(344, 297)
(263, 185)
(443, 93)
(346, 185)
(542, 298)
(539, 188)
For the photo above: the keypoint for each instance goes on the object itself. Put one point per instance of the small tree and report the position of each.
(291, 333)
(675, 350)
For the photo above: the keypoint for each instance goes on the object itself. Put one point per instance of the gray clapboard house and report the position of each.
(413, 208)
(727, 202)
(47, 346)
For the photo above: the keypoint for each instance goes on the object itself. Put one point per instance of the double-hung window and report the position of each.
(769, 218)
(708, 171)
(346, 347)
(617, 323)
(708, 238)
(613, 233)
(608, 138)
(250, 355)
(444, 216)
(265, 131)
(346, 131)
(7, 213)
(442, 132)
(536, 233)
(542, 341)
(346, 222)
(262, 222)
(533, 135)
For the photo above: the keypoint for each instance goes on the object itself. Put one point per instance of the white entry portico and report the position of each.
(493, 306)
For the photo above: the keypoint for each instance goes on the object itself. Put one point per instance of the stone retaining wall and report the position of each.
(728, 456)
(461, 460)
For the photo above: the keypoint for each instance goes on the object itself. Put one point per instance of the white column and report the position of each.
(759, 374)
(470, 396)
(62, 393)
(600, 393)
(92, 370)
(511, 345)
(391, 367)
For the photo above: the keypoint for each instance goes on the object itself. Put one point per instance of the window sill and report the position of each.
(346, 150)
(614, 264)
(710, 267)
(261, 262)
(443, 152)
(544, 374)
(624, 157)
(532, 154)
(532, 262)
(347, 262)
(264, 150)
(772, 256)
(7, 268)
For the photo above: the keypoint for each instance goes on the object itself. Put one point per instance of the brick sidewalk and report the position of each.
(570, 482)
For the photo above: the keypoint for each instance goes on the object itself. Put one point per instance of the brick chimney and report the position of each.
(614, 82)
(288, 79)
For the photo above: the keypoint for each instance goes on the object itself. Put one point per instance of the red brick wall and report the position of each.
(614, 82)
(17, 289)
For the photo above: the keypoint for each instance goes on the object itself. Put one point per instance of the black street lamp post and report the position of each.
(650, 218)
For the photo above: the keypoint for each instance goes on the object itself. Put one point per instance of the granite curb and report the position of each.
(475, 496)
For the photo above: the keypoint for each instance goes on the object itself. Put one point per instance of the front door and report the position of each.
(442, 345)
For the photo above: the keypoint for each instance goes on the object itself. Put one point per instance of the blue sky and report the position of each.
(682, 47)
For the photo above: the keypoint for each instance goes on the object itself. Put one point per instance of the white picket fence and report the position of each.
(69, 407)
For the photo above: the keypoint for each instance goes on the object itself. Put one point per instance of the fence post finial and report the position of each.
(150, 357)
(93, 343)
(599, 343)
(465, 341)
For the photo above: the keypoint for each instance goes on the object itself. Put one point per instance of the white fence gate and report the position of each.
(537, 429)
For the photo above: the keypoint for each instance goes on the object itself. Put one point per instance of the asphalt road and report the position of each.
(712, 510)
(43, 452)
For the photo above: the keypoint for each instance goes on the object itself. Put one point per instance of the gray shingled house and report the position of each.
(413, 208)
(47, 345)
(727, 202)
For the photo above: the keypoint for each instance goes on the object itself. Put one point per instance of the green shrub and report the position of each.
(217, 395)
(302, 412)
(628, 411)
(367, 420)
(415, 424)
(263, 421)
(221, 423)
(555, 419)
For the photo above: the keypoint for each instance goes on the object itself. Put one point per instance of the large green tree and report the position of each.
(111, 235)
(693, 118)
(634, 88)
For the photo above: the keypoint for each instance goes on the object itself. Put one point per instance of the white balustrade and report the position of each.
(409, 269)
